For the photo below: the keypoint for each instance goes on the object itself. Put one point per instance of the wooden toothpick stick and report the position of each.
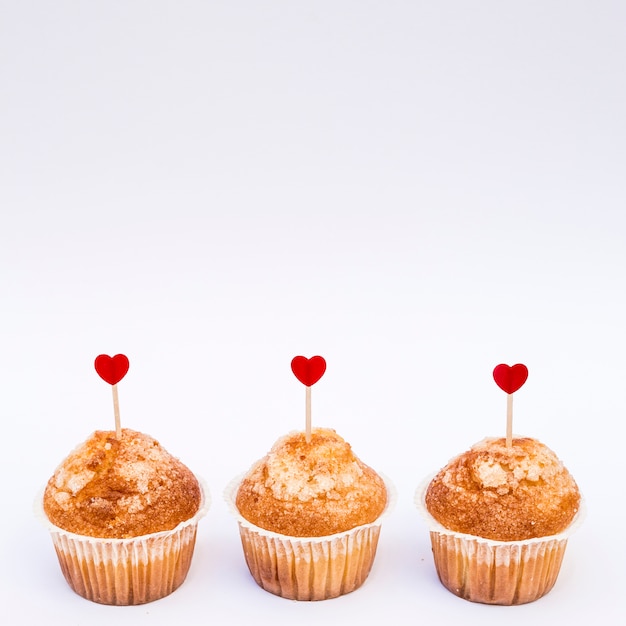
(116, 411)
(308, 415)
(509, 420)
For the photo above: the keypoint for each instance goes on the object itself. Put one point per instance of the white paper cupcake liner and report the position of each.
(126, 571)
(308, 568)
(495, 572)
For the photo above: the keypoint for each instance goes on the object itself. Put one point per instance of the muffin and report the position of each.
(500, 517)
(309, 516)
(123, 515)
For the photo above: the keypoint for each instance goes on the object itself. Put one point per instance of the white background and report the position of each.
(417, 191)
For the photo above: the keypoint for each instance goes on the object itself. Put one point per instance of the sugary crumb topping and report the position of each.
(311, 489)
(503, 493)
(329, 470)
(126, 487)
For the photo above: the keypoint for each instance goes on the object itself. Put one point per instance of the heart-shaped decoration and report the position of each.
(308, 371)
(111, 368)
(510, 377)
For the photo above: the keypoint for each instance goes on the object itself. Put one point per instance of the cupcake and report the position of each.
(500, 515)
(309, 516)
(123, 514)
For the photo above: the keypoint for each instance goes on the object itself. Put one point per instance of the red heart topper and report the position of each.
(111, 368)
(510, 377)
(308, 371)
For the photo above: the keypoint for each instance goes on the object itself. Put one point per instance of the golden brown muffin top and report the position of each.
(311, 489)
(119, 488)
(501, 493)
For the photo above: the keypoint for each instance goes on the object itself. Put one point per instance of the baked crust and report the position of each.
(501, 493)
(311, 489)
(120, 488)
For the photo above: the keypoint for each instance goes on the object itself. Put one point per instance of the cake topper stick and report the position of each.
(307, 411)
(116, 411)
(510, 378)
(308, 372)
(112, 369)
(509, 420)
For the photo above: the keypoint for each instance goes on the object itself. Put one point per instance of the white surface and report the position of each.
(416, 191)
